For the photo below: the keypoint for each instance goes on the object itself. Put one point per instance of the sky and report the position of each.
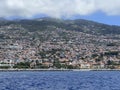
(103, 11)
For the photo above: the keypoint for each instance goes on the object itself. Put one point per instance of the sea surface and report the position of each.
(60, 80)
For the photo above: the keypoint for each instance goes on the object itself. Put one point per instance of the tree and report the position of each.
(56, 63)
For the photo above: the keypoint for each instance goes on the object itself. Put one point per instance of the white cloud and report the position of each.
(57, 8)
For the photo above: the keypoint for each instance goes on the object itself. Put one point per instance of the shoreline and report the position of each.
(19, 70)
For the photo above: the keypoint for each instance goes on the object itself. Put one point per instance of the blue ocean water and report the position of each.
(90, 80)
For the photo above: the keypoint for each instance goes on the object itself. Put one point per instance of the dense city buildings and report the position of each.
(56, 47)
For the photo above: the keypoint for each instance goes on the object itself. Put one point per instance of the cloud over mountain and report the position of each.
(57, 8)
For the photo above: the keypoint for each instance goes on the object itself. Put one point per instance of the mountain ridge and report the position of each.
(81, 25)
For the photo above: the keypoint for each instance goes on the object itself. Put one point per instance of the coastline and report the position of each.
(19, 70)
